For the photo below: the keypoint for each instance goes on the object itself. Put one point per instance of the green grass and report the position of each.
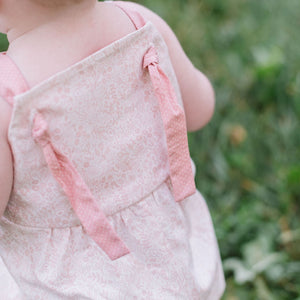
(248, 157)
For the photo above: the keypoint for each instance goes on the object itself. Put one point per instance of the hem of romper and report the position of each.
(216, 294)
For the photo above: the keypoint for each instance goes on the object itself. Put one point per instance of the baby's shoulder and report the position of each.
(146, 13)
(112, 23)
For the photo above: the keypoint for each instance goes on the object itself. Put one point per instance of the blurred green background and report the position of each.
(248, 157)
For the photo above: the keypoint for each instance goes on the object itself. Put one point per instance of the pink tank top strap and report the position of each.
(12, 81)
(83, 202)
(136, 18)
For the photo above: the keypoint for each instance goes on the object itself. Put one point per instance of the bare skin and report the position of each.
(42, 41)
(6, 167)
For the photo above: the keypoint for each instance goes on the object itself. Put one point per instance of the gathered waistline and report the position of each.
(5, 219)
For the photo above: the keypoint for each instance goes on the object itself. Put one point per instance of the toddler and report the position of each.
(98, 199)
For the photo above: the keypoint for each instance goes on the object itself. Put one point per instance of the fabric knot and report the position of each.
(40, 130)
(150, 58)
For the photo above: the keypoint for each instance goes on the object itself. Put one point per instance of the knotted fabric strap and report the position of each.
(12, 82)
(91, 216)
(173, 117)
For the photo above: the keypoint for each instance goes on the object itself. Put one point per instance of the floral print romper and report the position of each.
(104, 204)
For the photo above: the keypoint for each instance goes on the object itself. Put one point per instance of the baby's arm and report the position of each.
(196, 90)
(6, 166)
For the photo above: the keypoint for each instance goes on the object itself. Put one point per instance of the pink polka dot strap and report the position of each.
(12, 81)
(181, 173)
(173, 117)
(84, 204)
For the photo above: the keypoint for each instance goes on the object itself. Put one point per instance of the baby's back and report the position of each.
(62, 43)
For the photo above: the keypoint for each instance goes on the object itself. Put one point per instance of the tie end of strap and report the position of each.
(181, 194)
(118, 253)
(40, 130)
